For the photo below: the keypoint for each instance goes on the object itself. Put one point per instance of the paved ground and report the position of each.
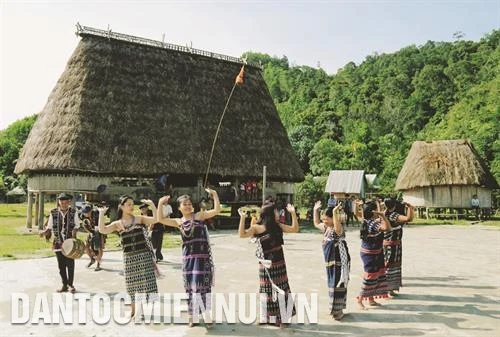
(451, 287)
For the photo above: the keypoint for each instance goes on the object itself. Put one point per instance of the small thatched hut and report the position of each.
(445, 173)
(138, 108)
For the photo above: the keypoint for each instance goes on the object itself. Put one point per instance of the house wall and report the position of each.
(447, 196)
(69, 183)
(87, 185)
(342, 194)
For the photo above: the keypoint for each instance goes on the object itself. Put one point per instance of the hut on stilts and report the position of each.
(128, 110)
(445, 174)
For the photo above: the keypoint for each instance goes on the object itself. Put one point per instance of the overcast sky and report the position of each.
(38, 37)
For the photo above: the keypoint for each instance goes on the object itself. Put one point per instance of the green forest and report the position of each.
(366, 116)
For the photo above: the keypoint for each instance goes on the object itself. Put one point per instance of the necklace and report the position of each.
(188, 229)
(126, 225)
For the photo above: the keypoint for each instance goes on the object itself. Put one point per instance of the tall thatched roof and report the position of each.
(126, 108)
(444, 162)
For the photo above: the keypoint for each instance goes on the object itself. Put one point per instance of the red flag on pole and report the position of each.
(239, 79)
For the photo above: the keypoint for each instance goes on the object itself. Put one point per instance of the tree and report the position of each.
(12, 140)
(302, 143)
(309, 191)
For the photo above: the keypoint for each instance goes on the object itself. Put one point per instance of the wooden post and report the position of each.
(199, 189)
(41, 217)
(37, 208)
(264, 178)
(29, 211)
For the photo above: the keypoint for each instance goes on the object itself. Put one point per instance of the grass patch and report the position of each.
(19, 242)
(12, 210)
(16, 241)
(460, 222)
(172, 240)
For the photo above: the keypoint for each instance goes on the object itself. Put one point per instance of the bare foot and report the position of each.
(338, 315)
(360, 305)
(374, 304)
(392, 294)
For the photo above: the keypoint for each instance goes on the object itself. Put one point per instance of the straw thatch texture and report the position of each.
(444, 163)
(127, 109)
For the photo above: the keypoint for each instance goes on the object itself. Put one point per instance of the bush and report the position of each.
(310, 190)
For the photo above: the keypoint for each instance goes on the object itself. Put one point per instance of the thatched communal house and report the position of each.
(445, 173)
(133, 108)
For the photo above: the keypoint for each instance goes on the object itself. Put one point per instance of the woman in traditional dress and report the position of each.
(393, 253)
(197, 265)
(374, 284)
(140, 278)
(268, 234)
(337, 258)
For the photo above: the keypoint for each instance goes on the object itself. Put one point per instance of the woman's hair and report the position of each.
(267, 218)
(329, 212)
(368, 209)
(182, 198)
(390, 203)
(123, 200)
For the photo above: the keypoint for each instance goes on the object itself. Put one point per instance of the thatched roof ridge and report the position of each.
(127, 109)
(89, 31)
(444, 162)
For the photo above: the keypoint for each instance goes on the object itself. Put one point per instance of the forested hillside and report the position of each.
(366, 116)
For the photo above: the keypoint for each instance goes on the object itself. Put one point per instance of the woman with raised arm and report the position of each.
(393, 249)
(140, 279)
(337, 258)
(197, 265)
(372, 230)
(268, 234)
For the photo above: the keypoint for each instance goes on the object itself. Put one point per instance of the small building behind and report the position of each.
(346, 182)
(445, 174)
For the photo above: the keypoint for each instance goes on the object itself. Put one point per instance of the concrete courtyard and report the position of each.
(450, 277)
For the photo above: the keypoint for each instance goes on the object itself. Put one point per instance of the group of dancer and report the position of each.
(198, 264)
(381, 252)
(139, 263)
(381, 235)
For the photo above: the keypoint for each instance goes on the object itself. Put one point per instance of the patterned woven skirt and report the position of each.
(278, 274)
(198, 276)
(393, 258)
(374, 280)
(140, 276)
(197, 266)
(337, 292)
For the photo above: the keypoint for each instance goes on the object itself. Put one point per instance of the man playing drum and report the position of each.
(63, 222)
